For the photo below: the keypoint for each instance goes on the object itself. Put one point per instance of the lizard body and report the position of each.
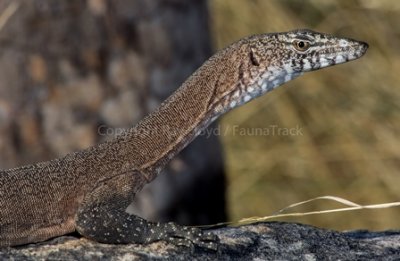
(89, 190)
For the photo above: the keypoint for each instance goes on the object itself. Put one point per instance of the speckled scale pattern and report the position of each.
(90, 190)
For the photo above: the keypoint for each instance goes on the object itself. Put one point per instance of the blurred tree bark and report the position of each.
(74, 73)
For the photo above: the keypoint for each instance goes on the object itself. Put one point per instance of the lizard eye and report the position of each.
(301, 45)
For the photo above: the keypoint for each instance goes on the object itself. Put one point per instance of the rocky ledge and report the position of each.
(261, 241)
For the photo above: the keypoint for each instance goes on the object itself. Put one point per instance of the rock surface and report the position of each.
(261, 241)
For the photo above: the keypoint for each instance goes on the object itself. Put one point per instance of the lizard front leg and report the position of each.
(102, 217)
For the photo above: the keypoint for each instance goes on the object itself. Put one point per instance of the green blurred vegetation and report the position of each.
(349, 116)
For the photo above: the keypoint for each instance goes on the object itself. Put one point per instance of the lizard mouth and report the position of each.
(347, 50)
(363, 46)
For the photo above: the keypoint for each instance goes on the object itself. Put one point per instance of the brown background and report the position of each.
(349, 115)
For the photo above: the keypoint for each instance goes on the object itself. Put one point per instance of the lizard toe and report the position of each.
(190, 236)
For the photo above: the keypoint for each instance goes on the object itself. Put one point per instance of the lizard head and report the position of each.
(273, 59)
(300, 51)
(305, 50)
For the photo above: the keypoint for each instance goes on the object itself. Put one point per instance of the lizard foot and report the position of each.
(187, 236)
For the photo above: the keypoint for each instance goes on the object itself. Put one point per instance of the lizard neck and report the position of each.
(221, 84)
(162, 134)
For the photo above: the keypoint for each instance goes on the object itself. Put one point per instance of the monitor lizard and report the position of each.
(89, 191)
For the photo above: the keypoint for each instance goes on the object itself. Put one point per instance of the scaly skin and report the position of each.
(89, 190)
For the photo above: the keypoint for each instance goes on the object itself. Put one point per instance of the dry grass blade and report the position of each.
(7, 13)
(337, 199)
(352, 206)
